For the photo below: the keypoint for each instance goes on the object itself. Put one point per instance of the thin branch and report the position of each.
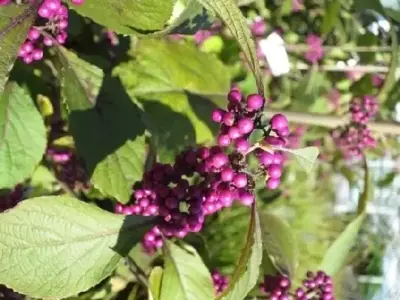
(335, 68)
(137, 271)
(301, 48)
(391, 128)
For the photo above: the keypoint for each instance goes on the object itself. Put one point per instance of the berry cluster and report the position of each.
(238, 122)
(220, 282)
(68, 168)
(204, 180)
(316, 50)
(356, 136)
(258, 27)
(54, 15)
(315, 287)
(4, 2)
(166, 191)
(363, 109)
(152, 240)
(12, 198)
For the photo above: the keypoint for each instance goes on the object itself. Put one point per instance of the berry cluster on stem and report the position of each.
(53, 21)
(356, 136)
(220, 281)
(204, 180)
(68, 168)
(316, 286)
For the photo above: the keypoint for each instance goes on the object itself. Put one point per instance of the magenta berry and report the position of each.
(273, 183)
(255, 102)
(245, 125)
(279, 122)
(235, 96)
(242, 145)
(217, 115)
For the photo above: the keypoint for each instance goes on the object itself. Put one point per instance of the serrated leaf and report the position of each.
(55, 247)
(247, 270)
(127, 16)
(173, 91)
(189, 17)
(15, 21)
(335, 257)
(185, 276)
(233, 18)
(279, 243)
(106, 125)
(305, 156)
(22, 136)
(155, 280)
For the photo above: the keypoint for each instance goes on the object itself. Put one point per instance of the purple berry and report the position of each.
(33, 34)
(224, 140)
(219, 160)
(217, 115)
(273, 184)
(234, 133)
(254, 102)
(227, 174)
(266, 158)
(274, 171)
(245, 125)
(229, 119)
(242, 145)
(279, 122)
(240, 180)
(235, 96)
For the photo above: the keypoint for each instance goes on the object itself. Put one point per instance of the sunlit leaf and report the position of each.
(55, 247)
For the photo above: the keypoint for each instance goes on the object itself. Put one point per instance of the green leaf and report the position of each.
(335, 257)
(387, 180)
(22, 136)
(360, 5)
(286, 8)
(15, 21)
(155, 280)
(305, 156)
(185, 275)
(127, 16)
(172, 92)
(390, 80)
(233, 18)
(331, 17)
(367, 192)
(55, 247)
(247, 270)
(279, 243)
(106, 125)
(188, 17)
